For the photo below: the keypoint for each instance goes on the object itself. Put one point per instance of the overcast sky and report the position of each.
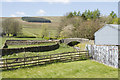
(18, 8)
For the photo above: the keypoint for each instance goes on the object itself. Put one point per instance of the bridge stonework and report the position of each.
(68, 40)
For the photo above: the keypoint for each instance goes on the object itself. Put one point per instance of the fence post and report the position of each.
(24, 60)
(72, 59)
(6, 63)
(86, 55)
(92, 51)
(38, 59)
(50, 59)
(59, 58)
(79, 55)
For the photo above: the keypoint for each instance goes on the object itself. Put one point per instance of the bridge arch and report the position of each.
(72, 43)
(68, 40)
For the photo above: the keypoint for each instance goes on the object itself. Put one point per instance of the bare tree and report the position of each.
(11, 26)
(44, 31)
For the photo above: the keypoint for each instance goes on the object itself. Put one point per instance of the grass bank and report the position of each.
(77, 69)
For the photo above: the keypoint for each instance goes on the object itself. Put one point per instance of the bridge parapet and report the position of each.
(68, 40)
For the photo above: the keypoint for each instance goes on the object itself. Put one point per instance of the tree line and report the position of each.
(73, 24)
(84, 25)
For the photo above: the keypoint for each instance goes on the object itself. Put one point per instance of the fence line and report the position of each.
(13, 63)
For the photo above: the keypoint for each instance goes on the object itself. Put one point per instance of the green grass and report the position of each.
(3, 39)
(2, 42)
(20, 46)
(62, 48)
(77, 69)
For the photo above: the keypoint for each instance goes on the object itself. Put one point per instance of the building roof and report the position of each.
(114, 26)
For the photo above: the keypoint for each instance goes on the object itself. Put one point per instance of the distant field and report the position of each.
(77, 69)
(34, 28)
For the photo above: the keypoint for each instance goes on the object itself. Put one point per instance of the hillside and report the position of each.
(35, 29)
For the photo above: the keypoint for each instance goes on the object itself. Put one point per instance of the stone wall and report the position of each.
(104, 54)
(6, 51)
(29, 42)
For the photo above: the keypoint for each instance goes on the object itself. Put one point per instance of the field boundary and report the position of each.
(7, 51)
(29, 42)
(15, 63)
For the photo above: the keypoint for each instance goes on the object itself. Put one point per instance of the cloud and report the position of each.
(41, 12)
(13, 15)
(18, 14)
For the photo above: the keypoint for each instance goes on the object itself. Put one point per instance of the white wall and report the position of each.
(104, 54)
(107, 36)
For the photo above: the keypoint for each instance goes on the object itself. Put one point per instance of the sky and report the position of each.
(11, 8)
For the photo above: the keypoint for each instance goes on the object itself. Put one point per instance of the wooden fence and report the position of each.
(14, 63)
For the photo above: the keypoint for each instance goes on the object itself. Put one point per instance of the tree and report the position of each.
(11, 26)
(78, 14)
(96, 14)
(74, 13)
(87, 15)
(81, 27)
(113, 14)
(44, 31)
(70, 15)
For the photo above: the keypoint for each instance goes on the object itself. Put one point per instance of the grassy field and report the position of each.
(77, 69)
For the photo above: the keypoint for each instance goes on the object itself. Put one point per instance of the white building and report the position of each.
(108, 35)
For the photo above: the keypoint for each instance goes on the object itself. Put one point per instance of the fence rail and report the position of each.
(13, 63)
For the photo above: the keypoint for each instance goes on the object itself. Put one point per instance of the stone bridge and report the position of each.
(68, 40)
